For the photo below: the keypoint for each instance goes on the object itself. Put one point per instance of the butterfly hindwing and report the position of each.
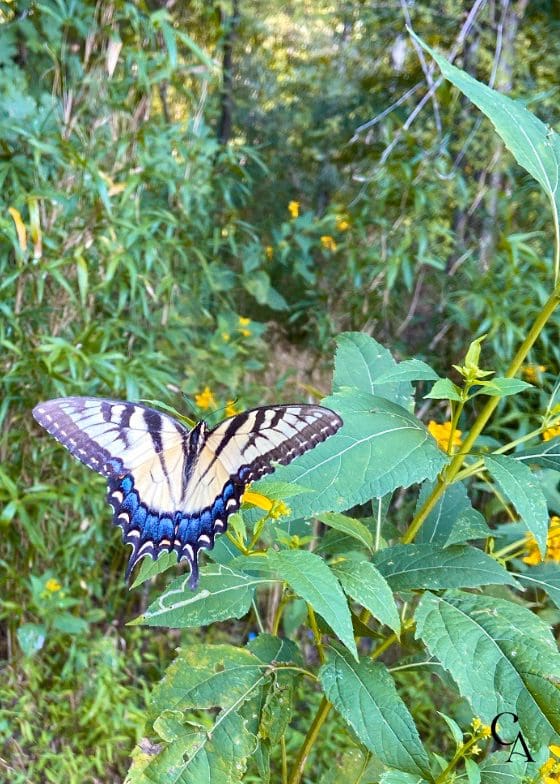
(171, 488)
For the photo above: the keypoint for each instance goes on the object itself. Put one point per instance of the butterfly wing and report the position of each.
(144, 455)
(174, 489)
(240, 450)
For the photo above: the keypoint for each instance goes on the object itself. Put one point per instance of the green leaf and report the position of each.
(170, 43)
(149, 568)
(400, 777)
(502, 387)
(545, 455)
(521, 486)
(409, 370)
(360, 360)
(222, 593)
(473, 771)
(456, 731)
(535, 146)
(194, 754)
(379, 447)
(413, 566)
(367, 586)
(444, 389)
(279, 491)
(31, 637)
(348, 525)
(310, 577)
(70, 624)
(545, 577)
(365, 696)
(502, 657)
(452, 520)
(269, 649)
(355, 766)
(83, 277)
(208, 676)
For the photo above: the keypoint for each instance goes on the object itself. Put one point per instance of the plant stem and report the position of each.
(310, 738)
(448, 475)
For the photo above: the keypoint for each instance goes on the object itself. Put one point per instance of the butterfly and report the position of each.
(173, 488)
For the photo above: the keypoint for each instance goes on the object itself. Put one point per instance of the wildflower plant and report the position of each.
(360, 590)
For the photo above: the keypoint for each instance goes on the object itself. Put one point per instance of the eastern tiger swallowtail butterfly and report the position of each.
(172, 488)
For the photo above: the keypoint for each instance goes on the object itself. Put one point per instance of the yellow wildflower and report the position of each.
(231, 409)
(205, 399)
(257, 499)
(293, 208)
(441, 433)
(531, 373)
(243, 323)
(551, 432)
(275, 509)
(475, 750)
(269, 250)
(53, 585)
(550, 771)
(341, 223)
(533, 556)
(226, 337)
(483, 730)
(279, 509)
(328, 242)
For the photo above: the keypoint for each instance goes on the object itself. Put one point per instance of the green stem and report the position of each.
(473, 468)
(310, 738)
(323, 712)
(449, 474)
(316, 634)
(459, 755)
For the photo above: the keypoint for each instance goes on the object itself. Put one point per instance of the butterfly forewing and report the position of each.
(172, 489)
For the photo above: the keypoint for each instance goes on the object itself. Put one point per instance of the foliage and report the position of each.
(141, 255)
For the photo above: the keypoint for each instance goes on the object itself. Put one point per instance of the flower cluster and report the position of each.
(551, 432)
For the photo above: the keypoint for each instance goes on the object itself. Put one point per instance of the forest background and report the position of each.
(196, 199)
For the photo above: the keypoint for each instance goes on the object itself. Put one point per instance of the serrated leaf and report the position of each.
(348, 525)
(521, 486)
(222, 593)
(414, 566)
(380, 447)
(452, 520)
(535, 146)
(310, 577)
(279, 491)
(409, 370)
(268, 648)
(502, 387)
(208, 676)
(360, 360)
(195, 754)
(366, 697)
(545, 577)
(444, 389)
(545, 455)
(366, 585)
(502, 657)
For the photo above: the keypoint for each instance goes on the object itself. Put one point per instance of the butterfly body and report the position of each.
(172, 488)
